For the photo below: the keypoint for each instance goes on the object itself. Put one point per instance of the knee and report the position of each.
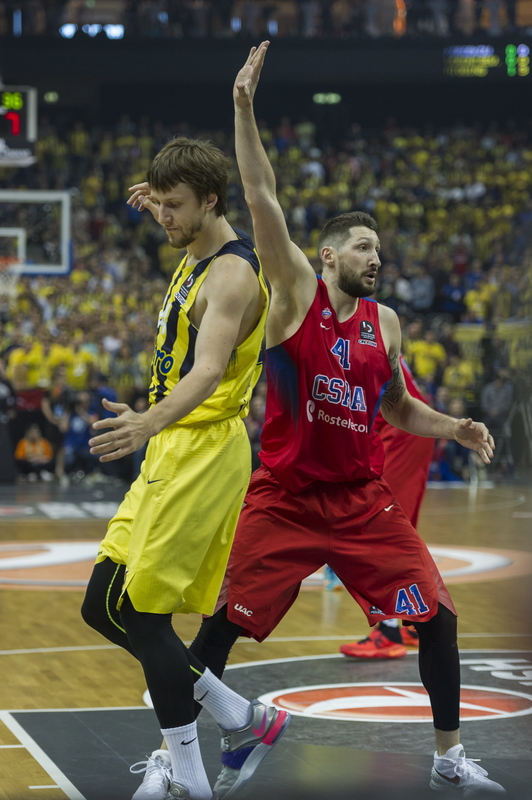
(440, 630)
(218, 631)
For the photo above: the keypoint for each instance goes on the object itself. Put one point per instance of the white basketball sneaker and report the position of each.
(455, 771)
(157, 776)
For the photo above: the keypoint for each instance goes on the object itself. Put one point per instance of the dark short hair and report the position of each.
(199, 164)
(337, 230)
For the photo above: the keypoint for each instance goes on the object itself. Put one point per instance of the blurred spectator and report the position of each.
(451, 459)
(255, 18)
(427, 356)
(8, 400)
(80, 364)
(496, 399)
(99, 389)
(459, 379)
(56, 405)
(34, 456)
(441, 399)
(122, 376)
(142, 366)
(478, 301)
(77, 456)
(8, 397)
(423, 290)
(411, 335)
(452, 297)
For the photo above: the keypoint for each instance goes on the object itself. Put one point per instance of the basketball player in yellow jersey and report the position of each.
(167, 547)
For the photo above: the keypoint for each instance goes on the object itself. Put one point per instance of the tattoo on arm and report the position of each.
(396, 387)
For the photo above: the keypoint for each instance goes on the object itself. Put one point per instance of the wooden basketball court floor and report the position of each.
(73, 715)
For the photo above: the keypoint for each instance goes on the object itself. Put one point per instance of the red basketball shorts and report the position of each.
(358, 528)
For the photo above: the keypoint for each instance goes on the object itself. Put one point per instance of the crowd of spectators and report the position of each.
(307, 19)
(455, 220)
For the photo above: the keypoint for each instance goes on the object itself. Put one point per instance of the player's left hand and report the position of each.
(247, 79)
(129, 432)
(475, 436)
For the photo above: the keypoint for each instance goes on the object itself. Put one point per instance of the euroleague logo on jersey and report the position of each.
(181, 294)
(367, 333)
(393, 702)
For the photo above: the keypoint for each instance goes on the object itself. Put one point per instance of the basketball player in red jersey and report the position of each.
(407, 461)
(332, 363)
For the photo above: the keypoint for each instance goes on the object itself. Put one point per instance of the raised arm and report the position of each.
(285, 266)
(403, 411)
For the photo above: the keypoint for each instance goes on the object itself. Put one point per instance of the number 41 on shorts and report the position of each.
(410, 601)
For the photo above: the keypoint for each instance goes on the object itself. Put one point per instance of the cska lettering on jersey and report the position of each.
(338, 392)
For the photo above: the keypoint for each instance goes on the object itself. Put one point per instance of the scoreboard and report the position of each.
(18, 125)
(487, 61)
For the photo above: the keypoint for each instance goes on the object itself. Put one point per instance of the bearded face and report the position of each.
(354, 283)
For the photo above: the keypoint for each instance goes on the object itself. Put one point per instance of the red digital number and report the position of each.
(14, 118)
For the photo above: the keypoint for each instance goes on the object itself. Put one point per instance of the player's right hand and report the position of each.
(141, 198)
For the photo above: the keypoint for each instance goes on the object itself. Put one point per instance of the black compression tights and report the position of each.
(170, 669)
(439, 664)
(151, 639)
(439, 667)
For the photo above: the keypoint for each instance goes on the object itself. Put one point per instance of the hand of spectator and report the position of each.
(248, 78)
(475, 436)
(130, 432)
(141, 199)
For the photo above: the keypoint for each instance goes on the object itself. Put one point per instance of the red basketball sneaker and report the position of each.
(409, 636)
(375, 646)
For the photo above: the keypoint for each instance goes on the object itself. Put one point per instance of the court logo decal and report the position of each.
(68, 565)
(393, 702)
(46, 565)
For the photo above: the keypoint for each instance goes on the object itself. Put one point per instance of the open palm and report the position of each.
(248, 78)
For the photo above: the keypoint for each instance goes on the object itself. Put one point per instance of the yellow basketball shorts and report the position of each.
(175, 527)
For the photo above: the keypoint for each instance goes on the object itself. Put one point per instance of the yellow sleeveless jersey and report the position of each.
(176, 341)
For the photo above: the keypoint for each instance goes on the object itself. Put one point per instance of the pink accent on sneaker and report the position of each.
(276, 728)
(260, 731)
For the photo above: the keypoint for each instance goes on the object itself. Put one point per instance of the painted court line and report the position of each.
(61, 781)
(340, 638)
(59, 649)
(44, 787)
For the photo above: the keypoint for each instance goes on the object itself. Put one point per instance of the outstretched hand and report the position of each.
(475, 436)
(248, 78)
(130, 432)
(141, 199)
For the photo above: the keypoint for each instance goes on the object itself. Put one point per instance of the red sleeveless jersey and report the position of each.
(325, 385)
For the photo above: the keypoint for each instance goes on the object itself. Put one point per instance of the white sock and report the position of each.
(187, 766)
(228, 708)
(392, 623)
